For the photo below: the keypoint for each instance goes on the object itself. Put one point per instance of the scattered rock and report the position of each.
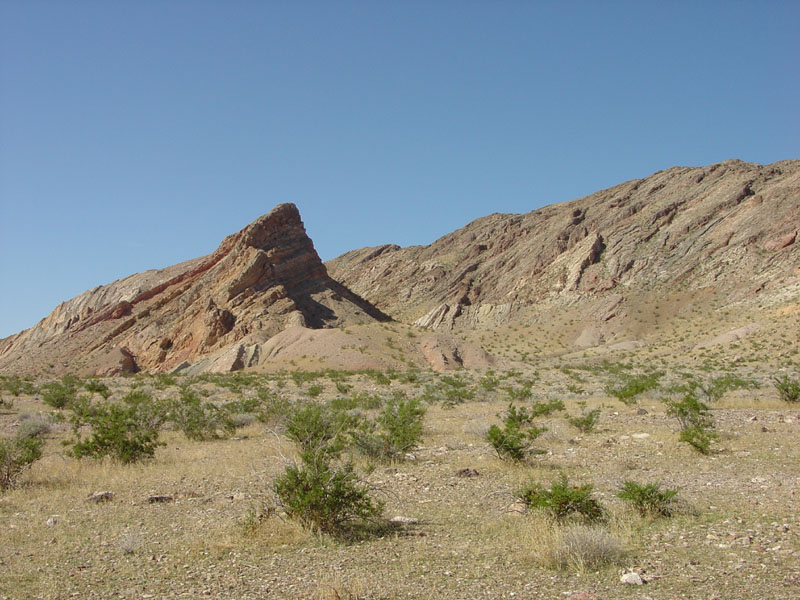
(51, 521)
(467, 472)
(99, 497)
(404, 520)
(160, 499)
(631, 578)
(640, 436)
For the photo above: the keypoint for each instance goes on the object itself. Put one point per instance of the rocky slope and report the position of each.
(730, 230)
(212, 312)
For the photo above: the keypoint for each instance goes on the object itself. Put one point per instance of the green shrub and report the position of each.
(649, 499)
(788, 388)
(127, 430)
(322, 494)
(514, 440)
(586, 421)
(96, 386)
(489, 382)
(625, 387)
(716, 387)
(397, 430)
(524, 392)
(59, 394)
(695, 419)
(319, 433)
(16, 455)
(16, 386)
(273, 409)
(315, 390)
(324, 498)
(449, 391)
(563, 501)
(198, 420)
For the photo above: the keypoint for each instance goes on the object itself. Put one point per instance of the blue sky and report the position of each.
(135, 135)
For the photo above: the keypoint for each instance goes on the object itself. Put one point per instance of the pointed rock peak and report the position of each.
(269, 230)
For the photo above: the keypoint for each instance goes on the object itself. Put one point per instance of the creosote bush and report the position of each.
(514, 440)
(17, 454)
(60, 394)
(649, 499)
(396, 430)
(788, 388)
(563, 501)
(198, 420)
(323, 493)
(695, 419)
(586, 421)
(127, 430)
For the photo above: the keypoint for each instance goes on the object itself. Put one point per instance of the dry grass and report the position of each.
(217, 536)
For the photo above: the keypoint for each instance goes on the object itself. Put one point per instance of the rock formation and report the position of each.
(216, 310)
(730, 227)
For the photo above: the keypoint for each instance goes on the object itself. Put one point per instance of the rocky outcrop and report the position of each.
(259, 281)
(728, 227)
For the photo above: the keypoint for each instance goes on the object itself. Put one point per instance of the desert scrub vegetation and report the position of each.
(323, 492)
(575, 546)
(514, 440)
(695, 420)
(625, 387)
(563, 501)
(649, 500)
(17, 453)
(586, 421)
(788, 388)
(127, 430)
(198, 420)
(60, 394)
(394, 432)
(16, 386)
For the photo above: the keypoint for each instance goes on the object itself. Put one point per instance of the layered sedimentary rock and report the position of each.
(731, 228)
(216, 309)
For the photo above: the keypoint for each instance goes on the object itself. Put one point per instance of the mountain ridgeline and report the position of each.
(720, 236)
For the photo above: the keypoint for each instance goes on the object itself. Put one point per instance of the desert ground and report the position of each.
(201, 517)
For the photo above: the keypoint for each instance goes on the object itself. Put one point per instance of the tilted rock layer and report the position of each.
(730, 227)
(216, 309)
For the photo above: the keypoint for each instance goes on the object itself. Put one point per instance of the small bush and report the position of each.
(649, 499)
(625, 387)
(788, 388)
(586, 421)
(695, 419)
(514, 440)
(59, 394)
(563, 501)
(397, 430)
(315, 390)
(322, 495)
(96, 386)
(16, 386)
(324, 498)
(198, 420)
(127, 431)
(16, 455)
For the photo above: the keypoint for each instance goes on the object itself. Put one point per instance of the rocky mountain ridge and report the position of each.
(214, 310)
(730, 227)
(621, 269)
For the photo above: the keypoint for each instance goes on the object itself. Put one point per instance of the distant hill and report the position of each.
(689, 257)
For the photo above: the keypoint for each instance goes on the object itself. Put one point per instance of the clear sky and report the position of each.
(135, 135)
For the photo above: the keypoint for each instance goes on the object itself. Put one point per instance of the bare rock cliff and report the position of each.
(213, 310)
